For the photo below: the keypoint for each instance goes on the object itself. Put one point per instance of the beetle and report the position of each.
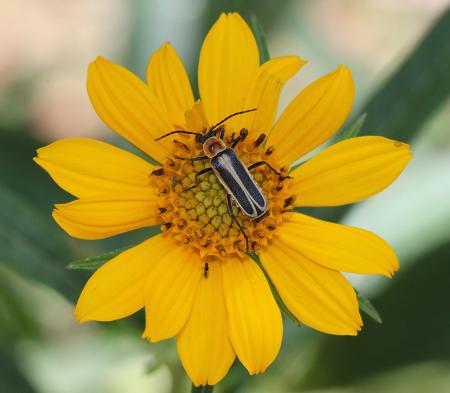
(234, 176)
(205, 270)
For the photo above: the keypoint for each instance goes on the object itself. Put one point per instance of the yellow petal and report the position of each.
(320, 298)
(195, 118)
(116, 289)
(203, 345)
(254, 318)
(313, 116)
(229, 60)
(170, 291)
(104, 216)
(349, 171)
(338, 247)
(127, 106)
(86, 167)
(168, 80)
(264, 93)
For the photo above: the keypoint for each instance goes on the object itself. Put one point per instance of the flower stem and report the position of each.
(202, 389)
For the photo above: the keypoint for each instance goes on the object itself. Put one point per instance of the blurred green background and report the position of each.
(399, 52)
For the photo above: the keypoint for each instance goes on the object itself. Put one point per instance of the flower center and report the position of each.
(195, 211)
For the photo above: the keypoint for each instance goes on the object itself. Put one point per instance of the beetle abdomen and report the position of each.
(239, 183)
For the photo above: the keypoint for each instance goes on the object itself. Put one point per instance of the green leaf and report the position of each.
(353, 130)
(260, 37)
(31, 245)
(12, 377)
(368, 308)
(93, 263)
(16, 321)
(202, 389)
(419, 86)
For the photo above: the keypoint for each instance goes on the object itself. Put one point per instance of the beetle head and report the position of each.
(213, 145)
(202, 138)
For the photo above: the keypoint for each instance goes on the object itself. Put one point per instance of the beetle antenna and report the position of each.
(229, 117)
(177, 132)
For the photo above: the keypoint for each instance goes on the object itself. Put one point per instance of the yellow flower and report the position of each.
(196, 280)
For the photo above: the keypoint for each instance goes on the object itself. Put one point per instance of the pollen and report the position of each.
(195, 211)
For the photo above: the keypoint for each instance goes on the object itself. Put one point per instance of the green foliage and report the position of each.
(413, 93)
(31, 245)
(260, 37)
(353, 130)
(416, 320)
(202, 389)
(15, 323)
(15, 320)
(93, 263)
(415, 328)
(11, 376)
(409, 96)
(366, 306)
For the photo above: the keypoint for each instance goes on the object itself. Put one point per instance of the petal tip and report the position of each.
(355, 329)
(404, 147)
(166, 46)
(37, 159)
(223, 16)
(260, 369)
(79, 316)
(298, 61)
(152, 337)
(98, 62)
(346, 73)
(342, 68)
(302, 61)
(56, 212)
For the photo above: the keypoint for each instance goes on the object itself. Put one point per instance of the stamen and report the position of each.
(158, 172)
(259, 140)
(269, 151)
(181, 144)
(243, 134)
(170, 162)
(289, 201)
(166, 226)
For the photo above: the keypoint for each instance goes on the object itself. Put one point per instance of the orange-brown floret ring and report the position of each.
(197, 215)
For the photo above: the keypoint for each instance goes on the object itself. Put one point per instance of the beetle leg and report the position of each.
(230, 210)
(242, 135)
(199, 158)
(177, 132)
(197, 175)
(259, 163)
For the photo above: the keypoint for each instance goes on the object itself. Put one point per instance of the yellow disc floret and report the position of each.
(196, 214)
